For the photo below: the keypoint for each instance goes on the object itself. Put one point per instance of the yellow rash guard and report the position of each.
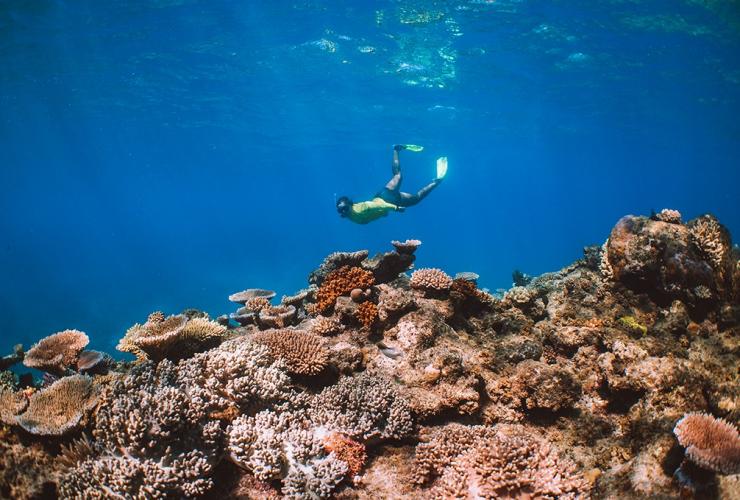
(368, 211)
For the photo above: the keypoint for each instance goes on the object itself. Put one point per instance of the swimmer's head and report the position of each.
(344, 205)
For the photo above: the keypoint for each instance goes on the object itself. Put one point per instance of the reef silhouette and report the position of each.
(377, 383)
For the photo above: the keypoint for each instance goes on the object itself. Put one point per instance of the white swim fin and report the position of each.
(441, 167)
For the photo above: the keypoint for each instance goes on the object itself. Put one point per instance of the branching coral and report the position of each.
(367, 314)
(283, 445)
(304, 353)
(152, 440)
(60, 407)
(175, 337)
(507, 461)
(430, 280)
(708, 235)
(238, 373)
(364, 407)
(710, 442)
(57, 352)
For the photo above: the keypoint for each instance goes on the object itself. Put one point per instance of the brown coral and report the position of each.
(708, 235)
(304, 353)
(341, 282)
(367, 314)
(347, 450)
(710, 442)
(175, 337)
(430, 280)
(60, 407)
(57, 352)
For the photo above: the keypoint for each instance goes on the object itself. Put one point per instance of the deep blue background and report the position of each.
(163, 154)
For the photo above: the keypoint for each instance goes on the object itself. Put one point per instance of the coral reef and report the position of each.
(374, 384)
(57, 352)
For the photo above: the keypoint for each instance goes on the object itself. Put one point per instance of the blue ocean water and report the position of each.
(163, 154)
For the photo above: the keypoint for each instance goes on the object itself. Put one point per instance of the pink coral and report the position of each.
(710, 442)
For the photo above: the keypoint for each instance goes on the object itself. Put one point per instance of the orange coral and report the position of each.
(341, 282)
(367, 313)
(347, 450)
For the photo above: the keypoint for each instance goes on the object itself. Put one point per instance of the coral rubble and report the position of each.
(615, 377)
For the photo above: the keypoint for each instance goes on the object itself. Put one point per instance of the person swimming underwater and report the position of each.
(391, 198)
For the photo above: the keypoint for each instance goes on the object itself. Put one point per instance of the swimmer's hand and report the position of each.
(400, 209)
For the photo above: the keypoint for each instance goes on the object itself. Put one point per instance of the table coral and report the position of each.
(175, 337)
(57, 352)
(59, 408)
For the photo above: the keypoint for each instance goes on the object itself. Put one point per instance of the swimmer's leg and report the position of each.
(395, 183)
(407, 199)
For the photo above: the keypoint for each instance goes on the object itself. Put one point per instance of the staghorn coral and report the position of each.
(175, 337)
(303, 353)
(326, 326)
(710, 442)
(364, 407)
(59, 408)
(430, 280)
(341, 282)
(367, 314)
(506, 461)
(57, 352)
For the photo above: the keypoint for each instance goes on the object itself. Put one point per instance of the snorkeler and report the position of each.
(391, 198)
